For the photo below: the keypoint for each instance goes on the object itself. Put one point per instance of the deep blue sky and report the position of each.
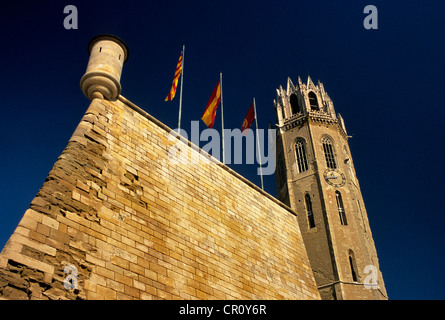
(388, 85)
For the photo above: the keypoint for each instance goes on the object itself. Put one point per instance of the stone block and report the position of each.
(12, 293)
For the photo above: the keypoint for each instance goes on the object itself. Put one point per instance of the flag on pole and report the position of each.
(209, 114)
(248, 120)
(178, 71)
(258, 142)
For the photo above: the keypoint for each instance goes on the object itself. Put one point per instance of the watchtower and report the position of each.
(102, 77)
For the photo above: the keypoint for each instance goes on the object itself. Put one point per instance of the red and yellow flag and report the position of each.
(178, 71)
(248, 120)
(215, 99)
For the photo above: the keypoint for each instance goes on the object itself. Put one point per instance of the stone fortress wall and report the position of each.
(120, 220)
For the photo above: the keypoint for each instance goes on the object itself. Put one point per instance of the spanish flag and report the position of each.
(209, 114)
(248, 120)
(178, 71)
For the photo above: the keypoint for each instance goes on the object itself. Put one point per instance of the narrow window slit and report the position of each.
(310, 213)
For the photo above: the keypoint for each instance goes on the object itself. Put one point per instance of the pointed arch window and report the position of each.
(353, 266)
(310, 213)
(301, 154)
(329, 153)
(295, 106)
(341, 208)
(313, 101)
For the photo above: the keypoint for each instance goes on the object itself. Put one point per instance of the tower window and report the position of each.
(329, 153)
(281, 170)
(300, 149)
(353, 266)
(294, 104)
(310, 213)
(341, 208)
(313, 101)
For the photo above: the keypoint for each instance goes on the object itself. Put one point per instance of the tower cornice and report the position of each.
(298, 119)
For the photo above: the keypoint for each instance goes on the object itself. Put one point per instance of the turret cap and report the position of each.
(112, 38)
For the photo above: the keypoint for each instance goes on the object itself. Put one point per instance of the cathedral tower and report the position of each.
(316, 177)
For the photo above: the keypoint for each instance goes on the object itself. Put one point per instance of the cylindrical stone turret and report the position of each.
(102, 77)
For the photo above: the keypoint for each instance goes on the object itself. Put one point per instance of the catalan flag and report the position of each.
(209, 114)
(248, 120)
(178, 71)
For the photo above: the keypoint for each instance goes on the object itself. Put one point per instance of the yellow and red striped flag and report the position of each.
(209, 114)
(178, 71)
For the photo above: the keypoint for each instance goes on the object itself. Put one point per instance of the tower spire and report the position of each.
(310, 83)
(290, 86)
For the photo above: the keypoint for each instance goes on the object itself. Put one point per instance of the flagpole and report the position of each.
(180, 90)
(222, 118)
(258, 144)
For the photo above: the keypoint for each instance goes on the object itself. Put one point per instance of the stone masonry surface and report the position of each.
(134, 225)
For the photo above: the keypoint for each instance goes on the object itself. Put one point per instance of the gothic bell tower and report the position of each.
(316, 177)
